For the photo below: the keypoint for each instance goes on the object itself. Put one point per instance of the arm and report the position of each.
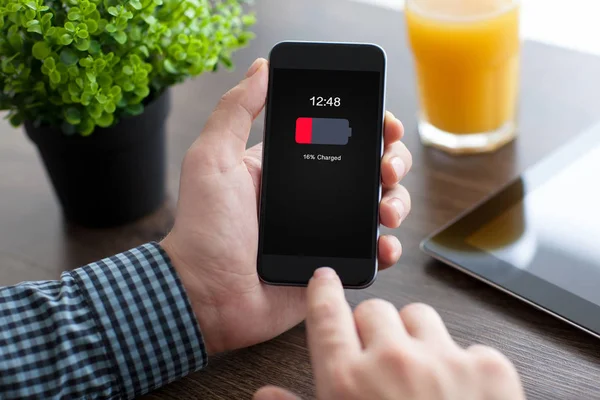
(113, 329)
(125, 325)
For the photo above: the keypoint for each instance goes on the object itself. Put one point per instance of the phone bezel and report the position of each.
(297, 270)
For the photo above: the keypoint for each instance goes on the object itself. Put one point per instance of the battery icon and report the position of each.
(335, 131)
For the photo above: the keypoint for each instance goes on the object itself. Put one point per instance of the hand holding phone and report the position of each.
(214, 240)
(321, 181)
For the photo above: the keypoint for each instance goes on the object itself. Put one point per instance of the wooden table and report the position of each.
(560, 97)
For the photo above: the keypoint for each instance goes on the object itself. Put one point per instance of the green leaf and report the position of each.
(99, 64)
(83, 34)
(86, 127)
(135, 4)
(110, 28)
(86, 62)
(32, 5)
(110, 107)
(91, 76)
(113, 11)
(66, 39)
(94, 47)
(86, 98)
(104, 80)
(127, 70)
(115, 91)
(144, 50)
(51, 32)
(169, 67)
(50, 64)
(249, 20)
(74, 89)
(14, 38)
(134, 109)
(73, 71)
(66, 98)
(100, 98)
(68, 57)
(35, 28)
(120, 37)
(73, 115)
(95, 110)
(74, 14)
(226, 61)
(82, 44)
(150, 20)
(105, 120)
(55, 77)
(91, 25)
(142, 91)
(16, 119)
(211, 62)
(41, 50)
(70, 27)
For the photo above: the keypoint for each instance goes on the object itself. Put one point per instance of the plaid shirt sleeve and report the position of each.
(113, 329)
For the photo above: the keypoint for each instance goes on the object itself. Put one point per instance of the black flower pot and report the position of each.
(114, 176)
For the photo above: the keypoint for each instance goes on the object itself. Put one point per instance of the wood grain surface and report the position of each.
(560, 97)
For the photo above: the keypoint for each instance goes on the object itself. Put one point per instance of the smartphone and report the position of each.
(323, 142)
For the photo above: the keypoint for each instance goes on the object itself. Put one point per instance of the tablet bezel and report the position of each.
(449, 243)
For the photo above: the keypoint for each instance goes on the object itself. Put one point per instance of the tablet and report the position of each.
(538, 238)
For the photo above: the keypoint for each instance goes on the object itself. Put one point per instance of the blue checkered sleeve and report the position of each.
(113, 329)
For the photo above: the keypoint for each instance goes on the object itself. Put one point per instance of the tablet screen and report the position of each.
(554, 232)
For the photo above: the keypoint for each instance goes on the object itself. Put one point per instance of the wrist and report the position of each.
(204, 307)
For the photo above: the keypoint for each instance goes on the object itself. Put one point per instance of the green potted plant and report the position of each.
(89, 80)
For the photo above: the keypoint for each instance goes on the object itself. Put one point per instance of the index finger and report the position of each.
(330, 326)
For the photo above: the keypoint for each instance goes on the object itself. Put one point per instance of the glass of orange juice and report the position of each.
(466, 55)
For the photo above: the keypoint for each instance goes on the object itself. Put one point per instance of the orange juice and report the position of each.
(467, 62)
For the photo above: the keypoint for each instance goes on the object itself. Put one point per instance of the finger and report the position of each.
(498, 372)
(253, 161)
(255, 152)
(332, 336)
(396, 163)
(393, 129)
(390, 251)
(274, 393)
(378, 323)
(395, 206)
(226, 132)
(424, 323)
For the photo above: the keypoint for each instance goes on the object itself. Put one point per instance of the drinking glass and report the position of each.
(466, 56)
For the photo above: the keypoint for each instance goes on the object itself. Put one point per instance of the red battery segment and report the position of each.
(333, 131)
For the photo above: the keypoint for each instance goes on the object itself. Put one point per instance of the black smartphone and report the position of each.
(323, 142)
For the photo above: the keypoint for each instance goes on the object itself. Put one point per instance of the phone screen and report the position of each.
(322, 181)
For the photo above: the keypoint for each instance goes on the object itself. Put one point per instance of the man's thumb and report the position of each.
(226, 131)
(274, 393)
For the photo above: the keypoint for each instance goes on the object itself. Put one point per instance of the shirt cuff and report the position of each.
(145, 317)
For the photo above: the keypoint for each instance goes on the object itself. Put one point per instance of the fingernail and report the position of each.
(398, 166)
(399, 207)
(254, 67)
(325, 273)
